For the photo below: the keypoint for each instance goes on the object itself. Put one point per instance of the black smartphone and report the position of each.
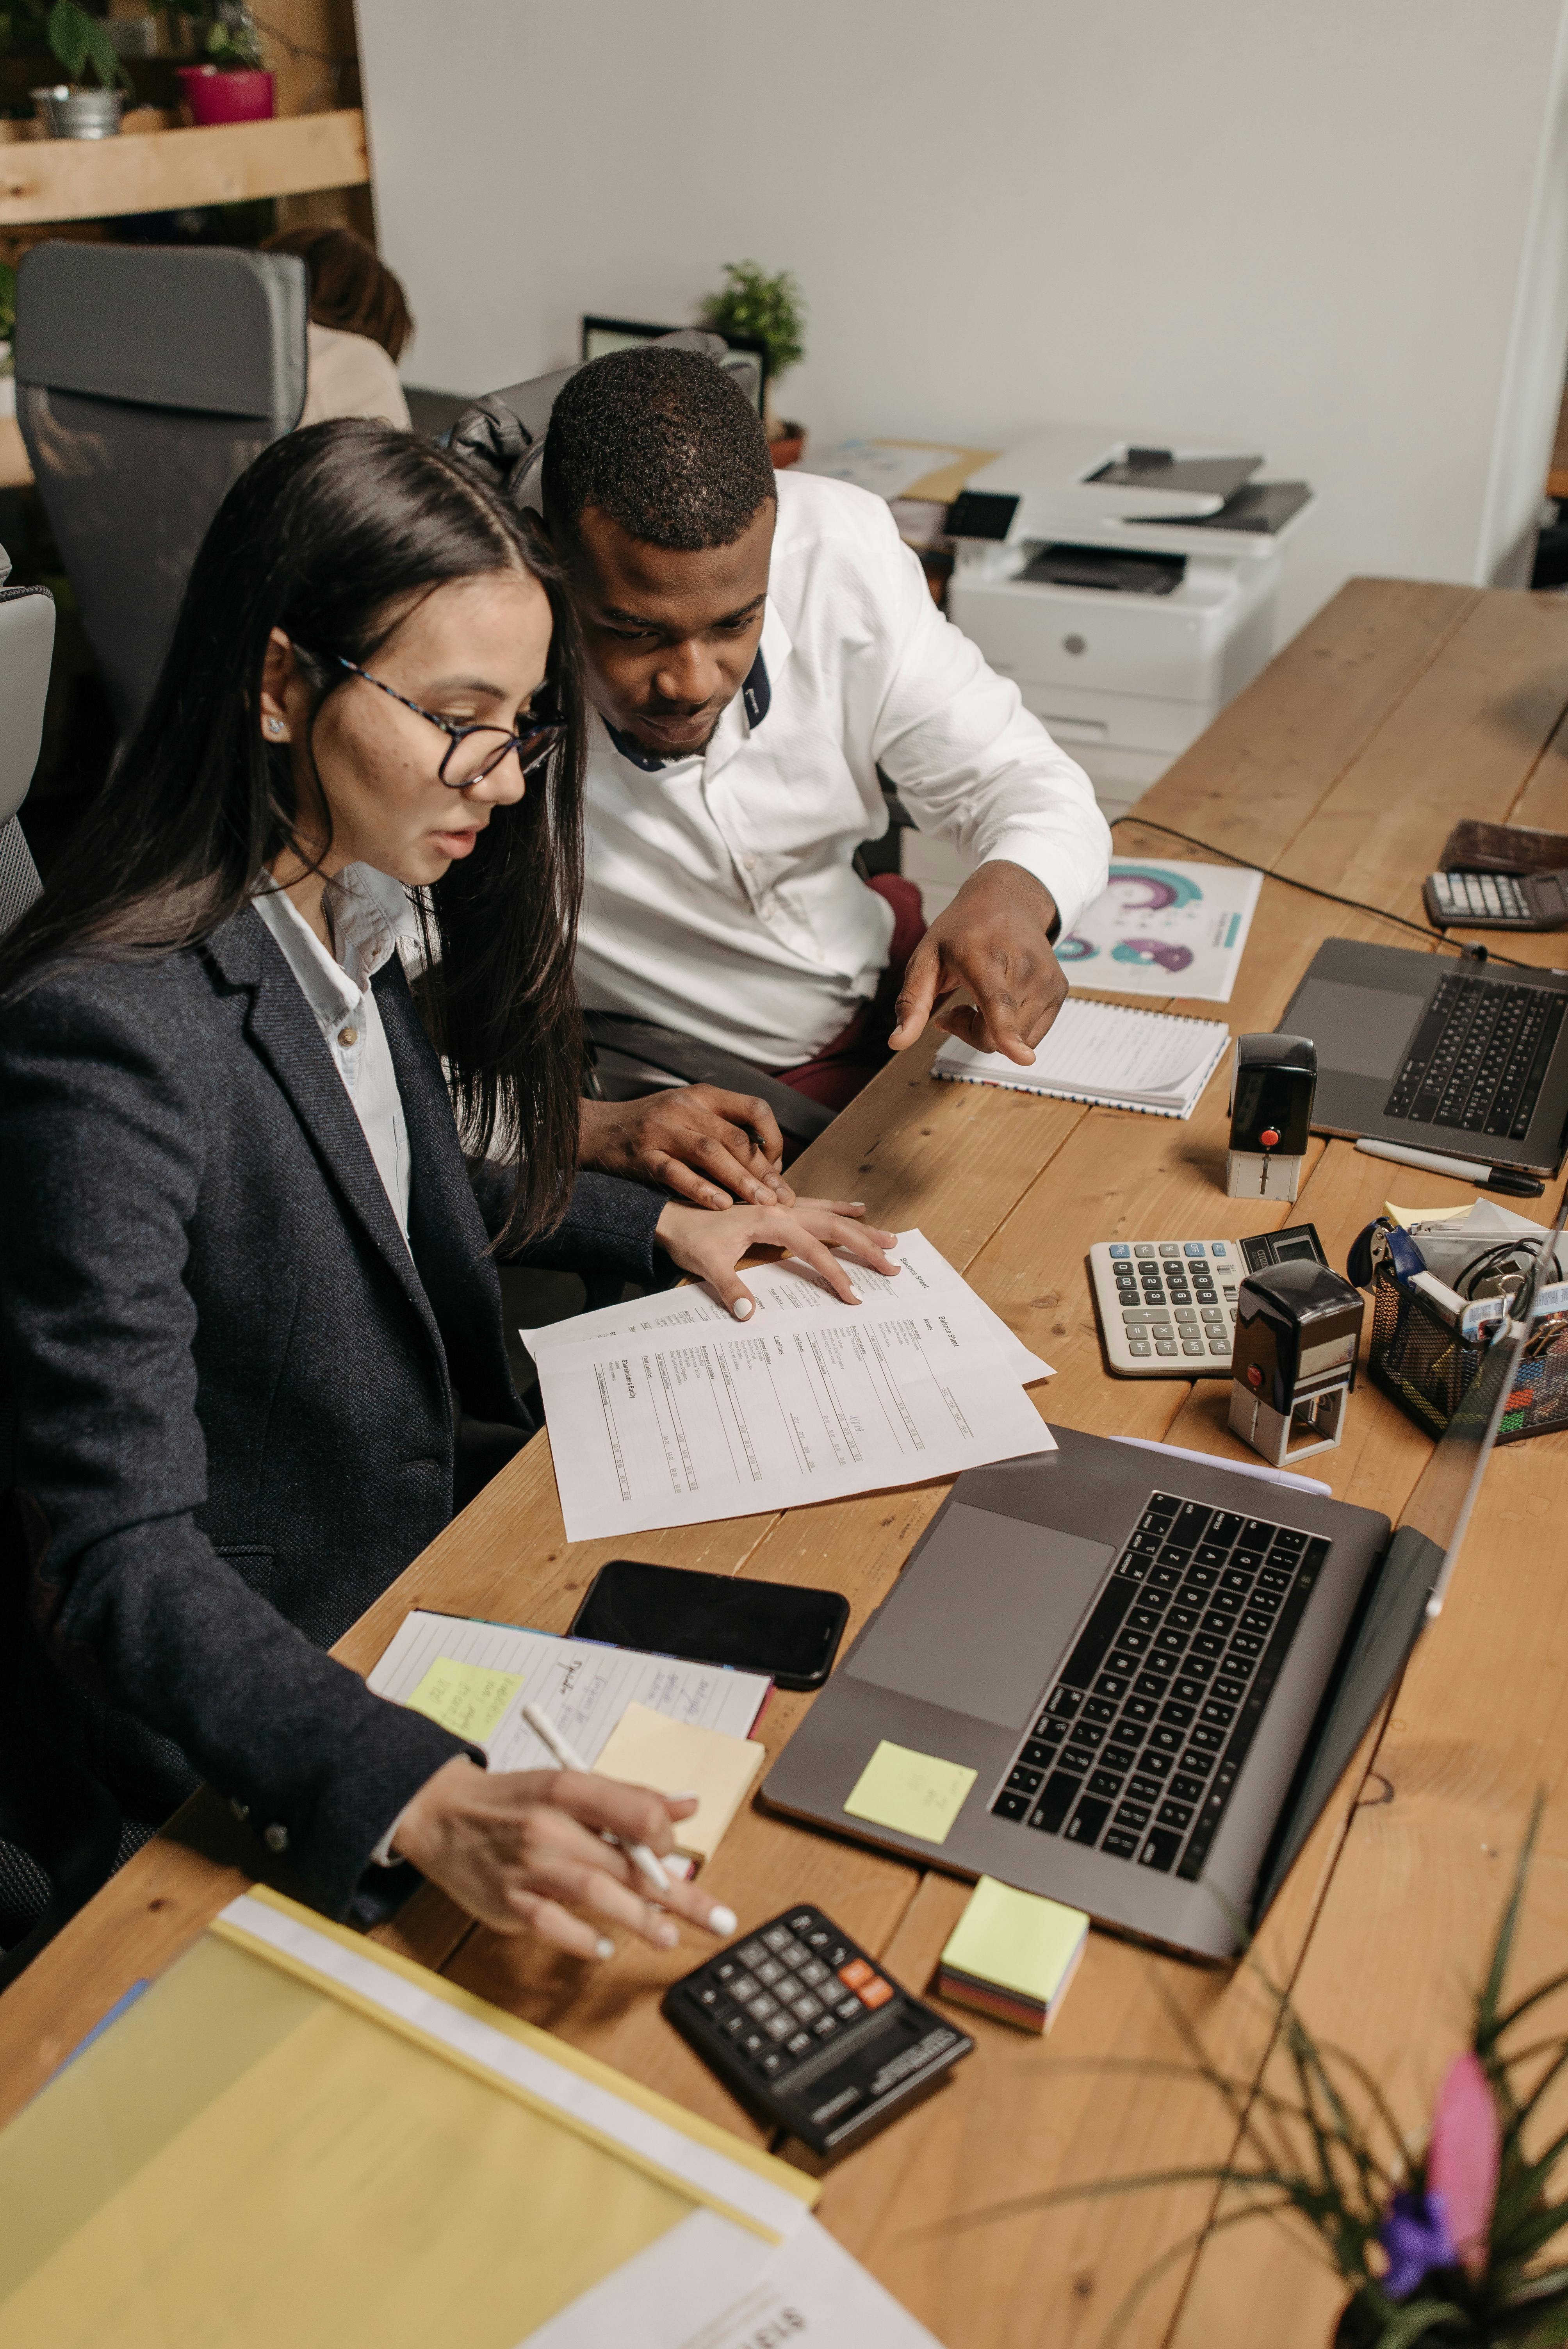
(716, 1619)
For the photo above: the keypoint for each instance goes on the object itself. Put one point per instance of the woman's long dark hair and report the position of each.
(330, 536)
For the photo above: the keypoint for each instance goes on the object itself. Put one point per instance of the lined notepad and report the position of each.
(1113, 1055)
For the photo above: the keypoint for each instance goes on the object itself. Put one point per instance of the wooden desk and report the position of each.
(1401, 706)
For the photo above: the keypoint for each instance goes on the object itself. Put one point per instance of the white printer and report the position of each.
(1129, 590)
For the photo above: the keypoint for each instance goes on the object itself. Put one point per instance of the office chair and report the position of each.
(503, 434)
(147, 380)
(26, 645)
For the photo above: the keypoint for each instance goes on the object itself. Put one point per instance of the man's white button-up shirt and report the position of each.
(370, 917)
(721, 897)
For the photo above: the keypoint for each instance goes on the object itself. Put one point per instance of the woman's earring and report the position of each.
(274, 725)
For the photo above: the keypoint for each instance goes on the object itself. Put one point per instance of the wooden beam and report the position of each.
(165, 171)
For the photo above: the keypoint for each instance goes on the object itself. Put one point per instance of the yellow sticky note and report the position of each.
(467, 1699)
(913, 1793)
(1018, 1940)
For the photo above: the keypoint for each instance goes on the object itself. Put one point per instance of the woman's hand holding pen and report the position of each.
(522, 1849)
(711, 1243)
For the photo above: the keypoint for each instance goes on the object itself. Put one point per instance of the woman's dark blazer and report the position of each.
(226, 1406)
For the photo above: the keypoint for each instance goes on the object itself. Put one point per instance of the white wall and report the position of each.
(1336, 229)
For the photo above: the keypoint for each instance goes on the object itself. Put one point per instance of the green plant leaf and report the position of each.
(70, 30)
(1552, 2328)
(1414, 2319)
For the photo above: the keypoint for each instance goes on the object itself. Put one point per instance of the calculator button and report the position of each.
(752, 2042)
(712, 1998)
(1149, 1349)
(751, 1955)
(779, 2026)
(824, 2026)
(779, 1938)
(1187, 1313)
(725, 1970)
(847, 2009)
(1169, 1248)
(876, 1992)
(733, 2025)
(1143, 1250)
(802, 1920)
(1218, 1346)
(1191, 1247)
(1192, 1346)
(1219, 1248)
(814, 1971)
(799, 2042)
(771, 2062)
(1165, 1346)
(743, 1988)
(855, 1975)
(768, 1971)
(760, 2007)
(1120, 1248)
(807, 2009)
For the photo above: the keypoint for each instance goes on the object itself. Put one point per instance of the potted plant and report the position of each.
(1442, 2242)
(66, 109)
(233, 83)
(772, 309)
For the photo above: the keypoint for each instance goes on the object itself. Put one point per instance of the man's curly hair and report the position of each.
(664, 443)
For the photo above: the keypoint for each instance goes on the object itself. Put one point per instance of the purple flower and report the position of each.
(1415, 2235)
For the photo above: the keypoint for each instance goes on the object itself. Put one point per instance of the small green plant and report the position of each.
(72, 37)
(1440, 2244)
(234, 42)
(771, 308)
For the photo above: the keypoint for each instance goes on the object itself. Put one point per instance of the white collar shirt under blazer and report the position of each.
(370, 920)
(721, 899)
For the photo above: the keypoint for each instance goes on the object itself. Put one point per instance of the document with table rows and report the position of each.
(679, 1426)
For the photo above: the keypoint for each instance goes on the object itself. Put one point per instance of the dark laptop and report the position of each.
(1157, 1685)
(1460, 1057)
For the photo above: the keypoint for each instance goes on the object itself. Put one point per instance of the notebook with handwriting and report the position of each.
(1114, 1055)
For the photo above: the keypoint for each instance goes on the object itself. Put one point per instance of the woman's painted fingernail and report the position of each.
(605, 1947)
(742, 1308)
(688, 1795)
(721, 1921)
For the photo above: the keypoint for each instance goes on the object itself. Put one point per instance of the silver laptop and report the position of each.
(1460, 1057)
(1156, 1675)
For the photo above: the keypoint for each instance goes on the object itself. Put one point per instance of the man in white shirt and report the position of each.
(757, 651)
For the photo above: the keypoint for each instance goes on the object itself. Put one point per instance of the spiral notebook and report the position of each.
(1114, 1055)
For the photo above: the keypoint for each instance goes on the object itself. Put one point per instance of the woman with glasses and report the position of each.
(255, 1185)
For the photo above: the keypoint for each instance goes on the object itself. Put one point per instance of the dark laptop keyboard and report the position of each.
(1141, 1738)
(1479, 1057)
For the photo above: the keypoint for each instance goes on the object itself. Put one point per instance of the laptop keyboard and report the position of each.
(1141, 1738)
(1479, 1057)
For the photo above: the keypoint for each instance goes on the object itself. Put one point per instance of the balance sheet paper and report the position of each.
(679, 1425)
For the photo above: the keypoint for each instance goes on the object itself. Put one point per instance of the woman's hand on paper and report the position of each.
(711, 1246)
(703, 1144)
(993, 942)
(523, 1850)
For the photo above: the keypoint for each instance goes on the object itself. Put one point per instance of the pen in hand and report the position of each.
(566, 1757)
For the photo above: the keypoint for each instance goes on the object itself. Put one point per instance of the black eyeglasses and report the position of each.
(477, 750)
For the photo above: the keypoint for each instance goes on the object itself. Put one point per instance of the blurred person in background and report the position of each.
(359, 325)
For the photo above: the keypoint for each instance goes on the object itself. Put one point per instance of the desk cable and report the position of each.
(1356, 904)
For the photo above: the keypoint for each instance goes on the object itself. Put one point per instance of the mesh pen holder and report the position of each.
(1424, 1364)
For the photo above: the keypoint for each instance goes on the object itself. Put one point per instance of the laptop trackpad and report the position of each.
(981, 1619)
(1360, 1030)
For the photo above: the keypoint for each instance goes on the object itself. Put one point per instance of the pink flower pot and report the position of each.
(216, 96)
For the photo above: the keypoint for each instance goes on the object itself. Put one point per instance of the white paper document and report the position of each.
(582, 1686)
(1111, 1054)
(678, 1426)
(887, 467)
(1163, 927)
(793, 1287)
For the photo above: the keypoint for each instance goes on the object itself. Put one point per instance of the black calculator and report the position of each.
(812, 2034)
(1497, 901)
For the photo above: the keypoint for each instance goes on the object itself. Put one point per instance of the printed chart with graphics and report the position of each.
(1163, 929)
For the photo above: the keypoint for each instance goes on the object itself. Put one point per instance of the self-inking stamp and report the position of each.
(1272, 1088)
(1293, 1360)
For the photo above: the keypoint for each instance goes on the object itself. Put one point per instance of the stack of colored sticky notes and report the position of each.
(1012, 1955)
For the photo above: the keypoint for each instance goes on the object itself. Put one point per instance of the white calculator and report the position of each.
(1167, 1308)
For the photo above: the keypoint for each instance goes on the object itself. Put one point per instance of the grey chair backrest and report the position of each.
(147, 380)
(26, 645)
(504, 431)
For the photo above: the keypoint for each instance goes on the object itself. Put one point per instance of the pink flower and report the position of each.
(1463, 2158)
